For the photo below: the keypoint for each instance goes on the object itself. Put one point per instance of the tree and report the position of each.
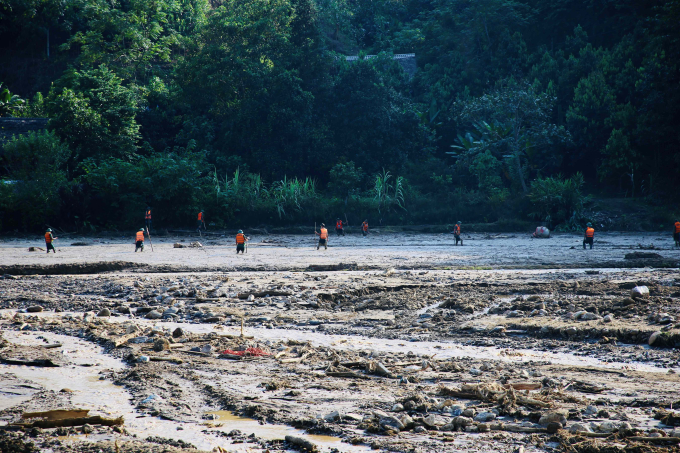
(94, 113)
(514, 120)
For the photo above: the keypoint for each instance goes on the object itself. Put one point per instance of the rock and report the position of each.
(381, 370)
(590, 410)
(392, 422)
(87, 429)
(138, 284)
(138, 340)
(608, 318)
(462, 421)
(607, 427)
(419, 429)
(251, 298)
(483, 428)
(407, 421)
(589, 316)
(656, 338)
(207, 349)
(515, 314)
(104, 312)
(398, 407)
(153, 314)
(34, 309)
(475, 372)
(430, 421)
(579, 428)
(124, 309)
(143, 358)
(177, 245)
(448, 427)
(498, 329)
(178, 332)
(639, 292)
(552, 417)
(161, 344)
(333, 416)
(469, 413)
(484, 417)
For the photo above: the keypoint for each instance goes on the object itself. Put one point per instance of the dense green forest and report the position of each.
(248, 110)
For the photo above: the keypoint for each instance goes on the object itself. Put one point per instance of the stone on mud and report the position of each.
(104, 312)
(579, 428)
(657, 339)
(552, 417)
(639, 292)
(178, 332)
(484, 417)
(161, 344)
(153, 314)
(333, 416)
(392, 422)
(462, 421)
(34, 309)
(407, 421)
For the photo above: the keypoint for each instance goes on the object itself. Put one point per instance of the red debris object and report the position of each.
(254, 352)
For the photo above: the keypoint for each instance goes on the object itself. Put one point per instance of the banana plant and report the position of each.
(9, 102)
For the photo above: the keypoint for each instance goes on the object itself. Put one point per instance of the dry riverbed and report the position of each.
(427, 353)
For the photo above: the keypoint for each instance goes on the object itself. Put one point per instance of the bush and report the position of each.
(557, 201)
(35, 177)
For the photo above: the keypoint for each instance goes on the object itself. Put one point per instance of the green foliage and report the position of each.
(35, 179)
(345, 180)
(9, 103)
(558, 201)
(94, 113)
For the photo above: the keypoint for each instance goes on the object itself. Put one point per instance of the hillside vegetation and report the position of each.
(248, 110)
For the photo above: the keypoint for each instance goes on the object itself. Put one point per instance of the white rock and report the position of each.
(639, 292)
(579, 428)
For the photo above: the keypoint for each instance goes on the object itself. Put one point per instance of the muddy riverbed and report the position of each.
(411, 345)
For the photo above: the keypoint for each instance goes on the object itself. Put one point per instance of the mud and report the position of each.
(399, 343)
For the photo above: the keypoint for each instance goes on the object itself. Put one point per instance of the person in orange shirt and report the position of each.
(589, 236)
(241, 240)
(139, 240)
(339, 227)
(201, 222)
(676, 234)
(48, 240)
(456, 232)
(147, 218)
(323, 237)
(364, 228)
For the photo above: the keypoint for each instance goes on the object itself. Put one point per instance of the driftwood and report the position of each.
(59, 414)
(655, 440)
(302, 443)
(295, 359)
(346, 374)
(166, 359)
(37, 362)
(123, 339)
(95, 420)
(273, 292)
(52, 346)
(523, 386)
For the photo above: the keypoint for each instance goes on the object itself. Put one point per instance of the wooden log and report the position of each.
(523, 386)
(52, 346)
(58, 414)
(655, 440)
(95, 420)
(38, 362)
(167, 359)
(302, 443)
(346, 374)
(295, 359)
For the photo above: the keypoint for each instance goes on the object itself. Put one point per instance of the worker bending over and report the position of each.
(364, 228)
(339, 228)
(456, 232)
(241, 240)
(323, 237)
(139, 240)
(589, 236)
(48, 240)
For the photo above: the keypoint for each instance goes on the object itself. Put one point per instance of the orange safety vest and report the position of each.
(338, 224)
(200, 216)
(140, 236)
(364, 226)
(48, 238)
(456, 229)
(147, 216)
(677, 227)
(590, 232)
(240, 238)
(323, 234)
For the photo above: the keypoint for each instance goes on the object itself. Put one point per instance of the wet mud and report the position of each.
(334, 357)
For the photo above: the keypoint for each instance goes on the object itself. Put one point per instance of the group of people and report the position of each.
(242, 239)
